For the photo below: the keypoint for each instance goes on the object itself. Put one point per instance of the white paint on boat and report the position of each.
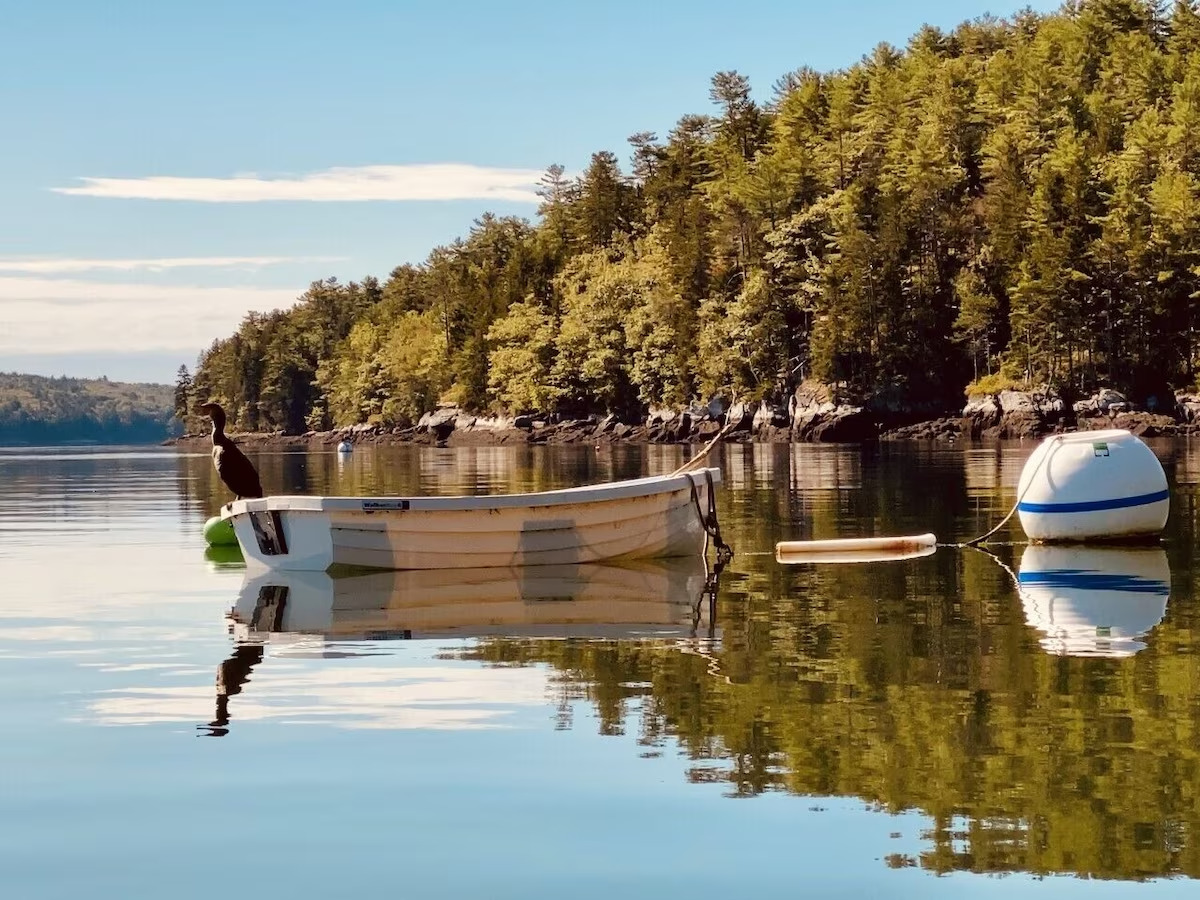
(856, 550)
(1093, 601)
(644, 518)
(1092, 485)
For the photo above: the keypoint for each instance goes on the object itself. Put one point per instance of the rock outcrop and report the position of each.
(1012, 414)
(811, 413)
(1030, 414)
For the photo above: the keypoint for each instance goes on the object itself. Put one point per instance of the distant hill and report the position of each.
(39, 410)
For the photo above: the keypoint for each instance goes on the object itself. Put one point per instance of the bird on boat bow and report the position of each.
(233, 468)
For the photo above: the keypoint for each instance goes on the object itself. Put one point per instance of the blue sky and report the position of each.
(169, 166)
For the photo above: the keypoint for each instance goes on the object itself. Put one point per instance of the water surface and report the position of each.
(959, 723)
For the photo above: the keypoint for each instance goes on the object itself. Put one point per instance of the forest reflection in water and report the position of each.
(1041, 706)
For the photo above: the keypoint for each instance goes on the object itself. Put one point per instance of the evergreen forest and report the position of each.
(1009, 204)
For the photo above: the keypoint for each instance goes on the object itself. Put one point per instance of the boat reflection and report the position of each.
(600, 601)
(1093, 601)
(310, 614)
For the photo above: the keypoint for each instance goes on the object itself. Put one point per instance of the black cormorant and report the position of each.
(232, 466)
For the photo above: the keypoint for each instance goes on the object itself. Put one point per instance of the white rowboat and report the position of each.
(646, 518)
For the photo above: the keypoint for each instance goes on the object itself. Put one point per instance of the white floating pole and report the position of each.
(856, 550)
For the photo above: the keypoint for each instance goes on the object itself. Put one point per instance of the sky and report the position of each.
(167, 167)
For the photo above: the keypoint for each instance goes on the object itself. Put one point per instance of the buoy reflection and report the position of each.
(1093, 601)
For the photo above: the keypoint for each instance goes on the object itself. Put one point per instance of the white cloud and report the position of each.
(59, 266)
(438, 181)
(52, 315)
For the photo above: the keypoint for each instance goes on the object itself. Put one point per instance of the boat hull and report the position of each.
(646, 518)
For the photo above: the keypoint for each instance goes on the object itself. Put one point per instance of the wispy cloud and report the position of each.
(60, 315)
(439, 181)
(51, 266)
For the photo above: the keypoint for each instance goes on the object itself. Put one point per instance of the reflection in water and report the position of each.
(225, 556)
(311, 614)
(650, 598)
(910, 685)
(231, 676)
(1094, 601)
(915, 685)
(874, 682)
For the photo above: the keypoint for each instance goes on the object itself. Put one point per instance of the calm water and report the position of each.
(172, 728)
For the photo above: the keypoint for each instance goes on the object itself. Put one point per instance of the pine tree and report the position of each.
(183, 394)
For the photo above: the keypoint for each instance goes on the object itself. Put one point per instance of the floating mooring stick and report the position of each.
(856, 550)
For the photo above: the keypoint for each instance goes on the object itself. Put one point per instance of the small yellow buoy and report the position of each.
(219, 532)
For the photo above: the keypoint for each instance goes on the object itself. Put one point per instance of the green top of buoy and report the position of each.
(219, 532)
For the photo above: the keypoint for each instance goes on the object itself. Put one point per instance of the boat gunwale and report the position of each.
(591, 493)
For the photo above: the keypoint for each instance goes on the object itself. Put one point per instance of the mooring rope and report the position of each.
(1002, 564)
(1057, 442)
(699, 457)
(712, 527)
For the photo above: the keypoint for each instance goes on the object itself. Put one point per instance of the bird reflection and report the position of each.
(233, 673)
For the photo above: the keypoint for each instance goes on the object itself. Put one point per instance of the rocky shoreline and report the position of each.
(809, 415)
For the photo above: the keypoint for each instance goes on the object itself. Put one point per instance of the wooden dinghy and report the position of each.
(649, 599)
(646, 518)
(855, 550)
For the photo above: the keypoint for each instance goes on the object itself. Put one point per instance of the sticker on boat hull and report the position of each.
(381, 505)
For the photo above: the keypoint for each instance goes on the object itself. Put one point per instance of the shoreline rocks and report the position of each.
(810, 414)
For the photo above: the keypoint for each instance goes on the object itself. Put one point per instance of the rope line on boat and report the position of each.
(712, 527)
(1056, 443)
(699, 457)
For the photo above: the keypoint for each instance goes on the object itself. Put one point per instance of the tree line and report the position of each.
(1010, 203)
(38, 410)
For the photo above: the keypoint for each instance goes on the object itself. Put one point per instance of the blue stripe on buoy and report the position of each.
(1095, 505)
(1092, 580)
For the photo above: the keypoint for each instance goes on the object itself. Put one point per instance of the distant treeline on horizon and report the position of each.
(39, 410)
(1011, 203)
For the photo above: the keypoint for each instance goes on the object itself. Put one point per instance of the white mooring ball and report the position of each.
(1093, 485)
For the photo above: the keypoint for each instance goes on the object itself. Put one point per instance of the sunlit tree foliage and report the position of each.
(1013, 198)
